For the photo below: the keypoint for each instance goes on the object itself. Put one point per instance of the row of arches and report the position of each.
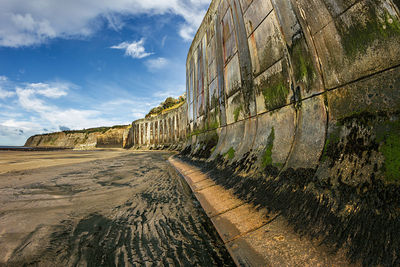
(163, 129)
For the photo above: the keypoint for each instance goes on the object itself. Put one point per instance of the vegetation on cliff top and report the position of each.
(102, 129)
(168, 104)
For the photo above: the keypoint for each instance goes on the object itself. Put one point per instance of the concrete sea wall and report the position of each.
(296, 106)
(167, 130)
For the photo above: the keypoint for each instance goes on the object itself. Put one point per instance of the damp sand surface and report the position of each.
(120, 209)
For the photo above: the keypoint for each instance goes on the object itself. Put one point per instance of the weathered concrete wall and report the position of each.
(167, 130)
(303, 97)
(296, 104)
(259, 69)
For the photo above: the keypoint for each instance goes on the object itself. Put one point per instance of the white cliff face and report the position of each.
(85, 139)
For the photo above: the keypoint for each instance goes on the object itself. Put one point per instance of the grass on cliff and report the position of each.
(97, 129)
(102, 129)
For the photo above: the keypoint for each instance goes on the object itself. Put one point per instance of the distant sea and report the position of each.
(26, 148)
(14, 147)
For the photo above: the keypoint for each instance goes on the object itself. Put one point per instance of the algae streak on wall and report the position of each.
(102, 137)
(299, 103)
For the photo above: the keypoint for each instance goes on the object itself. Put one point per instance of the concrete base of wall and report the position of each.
(254, 237)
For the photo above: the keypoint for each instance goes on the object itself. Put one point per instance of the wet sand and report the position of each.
(118, 209)
(26, 160)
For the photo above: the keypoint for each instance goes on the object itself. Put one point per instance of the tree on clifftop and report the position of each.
(169, 102)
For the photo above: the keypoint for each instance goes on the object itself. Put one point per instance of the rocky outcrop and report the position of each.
(103, 137)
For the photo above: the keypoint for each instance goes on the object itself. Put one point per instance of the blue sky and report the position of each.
(80, 64)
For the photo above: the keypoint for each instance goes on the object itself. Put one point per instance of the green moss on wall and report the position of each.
(236, 112)
(361, 35)
(213, 149)
(267, 156)
(332, 140)
(214, 119)
(214, 124)
(275, 95)
(388, 135)
(303, 66)
(275, 88)
(391, 151)
(230, 154)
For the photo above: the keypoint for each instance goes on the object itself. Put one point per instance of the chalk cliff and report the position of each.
(110, 137)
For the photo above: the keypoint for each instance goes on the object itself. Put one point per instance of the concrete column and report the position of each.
(135, 134)
(147, 134)
(158, 132)
(133, 140)
(171, 121)
(142, 127)
(144, 139)
(139, 134)
(177, 127)
(163, 123)
(154, 132)
(143, 133)
(161, 131)
(150, 133)
(173, 129)
(170, 126)
(164, 131)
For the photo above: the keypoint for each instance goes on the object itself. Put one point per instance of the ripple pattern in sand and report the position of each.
(127, 211)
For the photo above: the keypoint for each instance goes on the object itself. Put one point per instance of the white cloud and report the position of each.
(55, 90)
(137, 115)
(174, 92)
(133, 49)
(3, 78)
(14, 132)
(163, 41)
(25, 23)
(187, 32)
(29, 102)
(6, 94)
(156, 63)
(114, 21)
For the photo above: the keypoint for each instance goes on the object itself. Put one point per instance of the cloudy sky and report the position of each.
(86, 63)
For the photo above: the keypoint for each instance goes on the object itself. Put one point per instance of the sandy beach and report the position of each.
(71, 208)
